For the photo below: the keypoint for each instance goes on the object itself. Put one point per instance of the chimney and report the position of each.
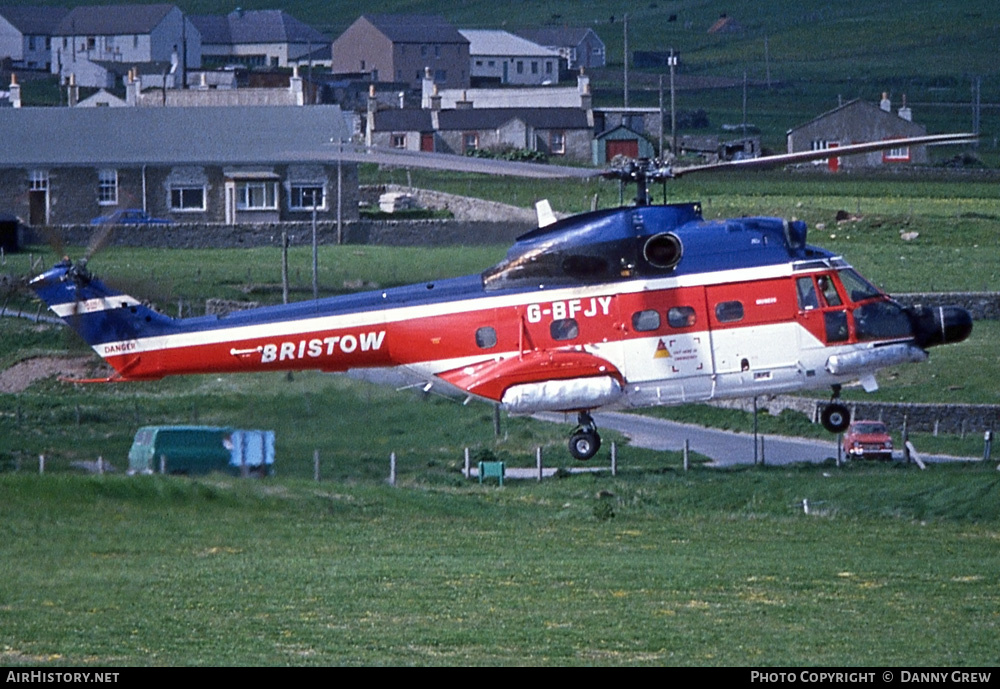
(133, 87)
(402, 99)
(905, 112)
(15, 91)
(72, 91)
(885, 104)
(295, 86)
(434, 101)
(370, 119)
(465, 103)
(587, 104)
(427, 89)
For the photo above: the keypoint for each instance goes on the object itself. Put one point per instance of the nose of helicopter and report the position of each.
(938, 325)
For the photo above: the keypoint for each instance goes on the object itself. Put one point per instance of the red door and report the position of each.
(833, 163)
(627, 148)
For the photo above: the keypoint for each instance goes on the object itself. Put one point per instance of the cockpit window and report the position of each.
(858, 289)
(881, 320)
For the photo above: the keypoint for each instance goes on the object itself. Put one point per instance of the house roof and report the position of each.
(255, 26)
(565, 36)
(112, 20)
(34, 20)
(413, 120)
(61, 137)
(415, 28)
(503, 43)
(857, 103)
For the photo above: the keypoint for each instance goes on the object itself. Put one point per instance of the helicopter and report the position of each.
(633, 306)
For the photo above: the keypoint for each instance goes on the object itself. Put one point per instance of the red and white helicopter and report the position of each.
(627, 307)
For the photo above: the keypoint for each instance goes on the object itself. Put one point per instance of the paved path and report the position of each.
(723, 447)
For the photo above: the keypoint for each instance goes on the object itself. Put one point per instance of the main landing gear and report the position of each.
(585, 441)
(835, 417)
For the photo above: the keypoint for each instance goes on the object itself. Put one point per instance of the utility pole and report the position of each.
(673, 104)
(626, 61)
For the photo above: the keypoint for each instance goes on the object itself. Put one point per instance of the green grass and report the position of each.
(891, 567)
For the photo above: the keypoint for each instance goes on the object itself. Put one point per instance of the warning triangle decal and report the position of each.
(661, 351)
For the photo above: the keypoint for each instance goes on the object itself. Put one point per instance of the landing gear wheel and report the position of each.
(835, 418)
(583, 445)
(585, 442)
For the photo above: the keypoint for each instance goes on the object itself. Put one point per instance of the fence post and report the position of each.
(467, 470)
(392, 469)
(614, 459)
(316, 465)
(538, 461)
(41, 464)
(687, 449)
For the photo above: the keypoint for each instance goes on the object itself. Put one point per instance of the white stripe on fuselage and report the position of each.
(387, 316)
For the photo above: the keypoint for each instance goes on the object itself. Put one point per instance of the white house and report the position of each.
(500, 57)
(93, 43)
(26, 35)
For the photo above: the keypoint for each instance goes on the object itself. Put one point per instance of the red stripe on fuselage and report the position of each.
(447, 336)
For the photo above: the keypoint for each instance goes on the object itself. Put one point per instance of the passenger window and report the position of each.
(729, 311)
(486, 337)
(681, 317)
(564, 329)
(643, 321)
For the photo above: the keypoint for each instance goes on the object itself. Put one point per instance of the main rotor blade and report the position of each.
(394, 157)
(827, 153)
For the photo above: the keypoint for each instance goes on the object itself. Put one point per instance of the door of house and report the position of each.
(626, 147)
(427, 142)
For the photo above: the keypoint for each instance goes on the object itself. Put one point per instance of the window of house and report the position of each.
(470, 141)
(257, 195)
(187, 197)
(534, 66)
(557, 143)
(107, 187)
(896, 155)
(548, 67)
(305, 197)
(520, 66)
(398, 140)
(38, 180)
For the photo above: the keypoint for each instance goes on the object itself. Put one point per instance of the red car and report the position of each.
(868, 439)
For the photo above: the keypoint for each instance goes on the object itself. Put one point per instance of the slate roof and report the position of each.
(478, 119)
(34, 21)
(415, 28)
(112, 20)
(255, 26)
(503, 43)
(66, 137)
(567, 36)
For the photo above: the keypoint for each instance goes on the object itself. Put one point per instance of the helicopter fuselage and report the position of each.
(626, 307)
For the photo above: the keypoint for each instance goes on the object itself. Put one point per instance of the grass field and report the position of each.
(890, 567)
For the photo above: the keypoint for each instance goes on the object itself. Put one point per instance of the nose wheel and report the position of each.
(585, 441)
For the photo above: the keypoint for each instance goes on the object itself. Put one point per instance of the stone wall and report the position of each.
(218, 236)
(462, 207)
(945, 418)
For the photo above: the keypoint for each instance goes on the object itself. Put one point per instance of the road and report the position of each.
(724, 448)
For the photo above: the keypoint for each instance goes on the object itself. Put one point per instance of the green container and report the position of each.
(201, 449)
